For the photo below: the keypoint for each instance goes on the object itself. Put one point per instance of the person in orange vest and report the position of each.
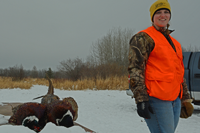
(157, 73)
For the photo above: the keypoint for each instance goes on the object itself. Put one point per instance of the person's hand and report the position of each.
(144, 109)
(186, 110)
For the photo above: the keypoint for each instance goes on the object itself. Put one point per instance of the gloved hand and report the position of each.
(144, 109)
(186, 110)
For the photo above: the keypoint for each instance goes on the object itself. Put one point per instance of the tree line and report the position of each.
(108, 57)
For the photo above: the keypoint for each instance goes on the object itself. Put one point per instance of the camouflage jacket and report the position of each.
(140, 48)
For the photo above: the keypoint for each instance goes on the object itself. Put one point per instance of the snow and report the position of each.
(104, 111)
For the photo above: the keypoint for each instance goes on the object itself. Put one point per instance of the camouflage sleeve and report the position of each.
(186, 96)
(141, 46)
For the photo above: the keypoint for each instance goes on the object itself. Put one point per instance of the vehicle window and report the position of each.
(199, 63)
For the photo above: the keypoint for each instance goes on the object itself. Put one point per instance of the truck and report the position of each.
(191, 61)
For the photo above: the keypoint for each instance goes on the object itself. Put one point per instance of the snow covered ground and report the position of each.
(104, 111)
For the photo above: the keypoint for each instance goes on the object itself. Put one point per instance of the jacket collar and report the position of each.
(164, 30)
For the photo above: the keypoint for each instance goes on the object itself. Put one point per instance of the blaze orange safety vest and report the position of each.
(164, 69)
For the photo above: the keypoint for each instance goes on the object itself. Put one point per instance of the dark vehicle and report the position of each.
(191, 62)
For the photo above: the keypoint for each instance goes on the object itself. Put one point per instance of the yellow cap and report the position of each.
(159, 4)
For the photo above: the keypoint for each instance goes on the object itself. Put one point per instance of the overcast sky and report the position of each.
(43, 33)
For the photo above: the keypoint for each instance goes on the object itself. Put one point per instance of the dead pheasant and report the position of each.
(60, 112)
(35, 116)
(49, 97)
(31, 115)
(63, 112)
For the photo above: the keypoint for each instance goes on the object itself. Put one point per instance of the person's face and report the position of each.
(161, 18)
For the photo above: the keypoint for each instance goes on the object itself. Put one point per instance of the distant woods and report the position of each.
(108, 57)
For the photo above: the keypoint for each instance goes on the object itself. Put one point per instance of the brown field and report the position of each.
(111, 83)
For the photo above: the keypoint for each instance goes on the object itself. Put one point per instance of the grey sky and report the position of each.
(43, 33)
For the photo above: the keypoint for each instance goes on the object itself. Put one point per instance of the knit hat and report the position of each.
(159, 4)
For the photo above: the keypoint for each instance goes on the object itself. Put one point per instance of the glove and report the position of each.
(144, 109)
(186, 110)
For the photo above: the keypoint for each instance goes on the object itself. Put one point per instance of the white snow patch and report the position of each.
(104, 111)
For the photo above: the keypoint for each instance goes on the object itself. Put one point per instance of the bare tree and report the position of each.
(112, 48)
(41, 73)
(34, 72)
(16, 72)
(71, 68)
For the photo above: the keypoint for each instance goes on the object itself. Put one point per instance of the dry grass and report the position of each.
(111, 83)
(6, 83)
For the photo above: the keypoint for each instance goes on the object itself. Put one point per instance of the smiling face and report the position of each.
(161, 18)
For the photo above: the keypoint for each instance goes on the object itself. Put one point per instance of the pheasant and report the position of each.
(52, 109)
(63, 112)
(31, 115)
(35, 115)
(60, 112)
(49, 97)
